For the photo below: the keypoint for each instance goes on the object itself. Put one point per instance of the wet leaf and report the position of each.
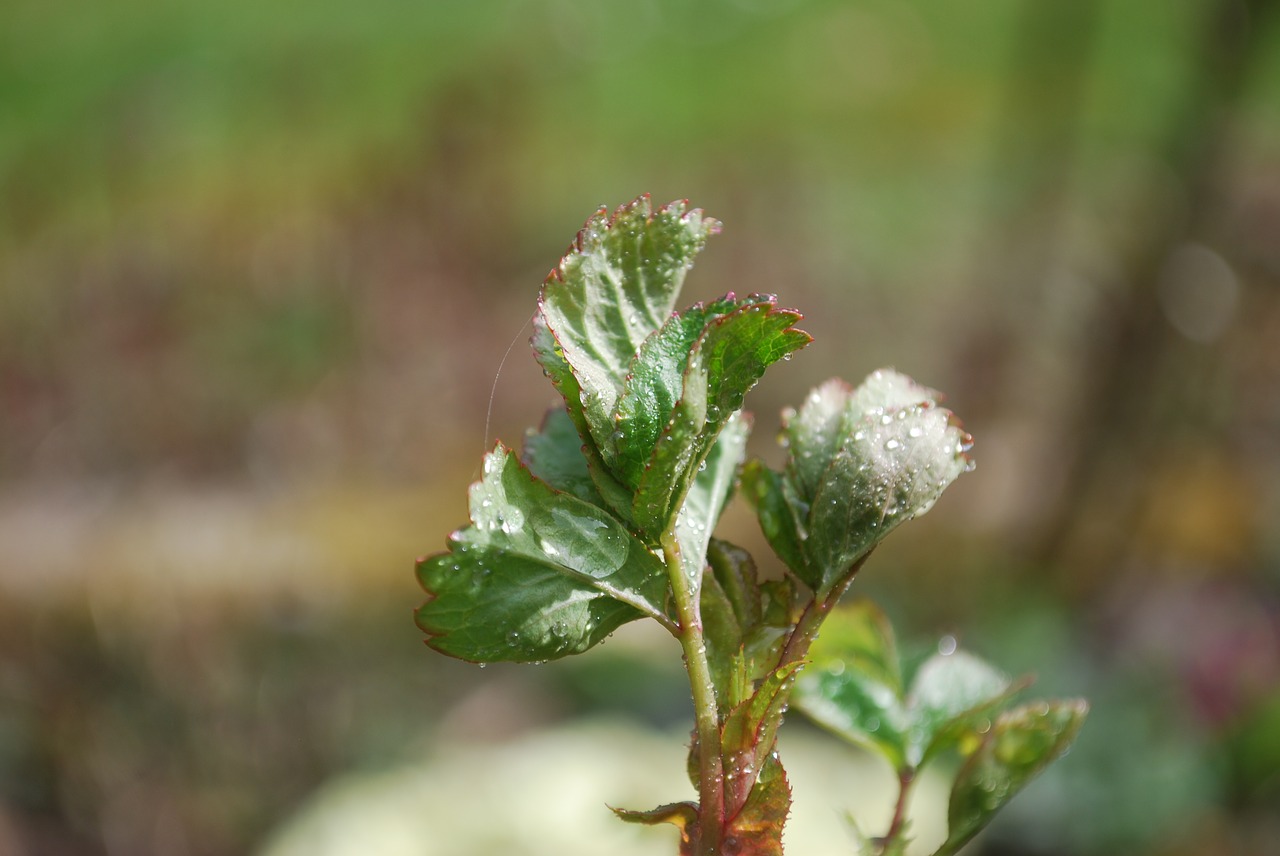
(950, 693)
(746, 622)
(885, 474)
(859, 635)
(722, 635)
(831, 414)
(748, 735)
(1020, 744)
(854, 685)
(857, 707)
(765, 490)
(712, 486)
(617, 285)
(725, 363)
(538, 574)
(860, 462)
(550, 356)
(735, 570)
(654, 385)
(854, 688)
(757, 829)
(554, 454)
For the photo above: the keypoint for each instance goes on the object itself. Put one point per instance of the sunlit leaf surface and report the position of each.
(538, 574)
(861, 461)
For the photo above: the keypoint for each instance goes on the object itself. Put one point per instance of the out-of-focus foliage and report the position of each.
(251, 253)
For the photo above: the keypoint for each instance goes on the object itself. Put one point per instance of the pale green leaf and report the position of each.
(857, 707)
(853, 686)
(713, 484)
(946, 691)
(1019, 746)
(860, 463)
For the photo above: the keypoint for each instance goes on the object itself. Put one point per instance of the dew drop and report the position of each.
(891, 445)
(947, 645)
(915, 431)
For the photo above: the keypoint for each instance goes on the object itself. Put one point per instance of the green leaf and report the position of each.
(763, 643)
(765, 490)
(947, 692)
(749, 733)
(682, 814)
(550, 356)
(724, 364)
(538, 574)
(885, 474)
(713, 484)
(735, 572)
(722, 634)
(853, 686)
(653, 387)
(1020, 744)
(615, 286)
(746, 622)
(554, 454)
(861, 709)
(859, 637)
(860, 463)
(832, 412)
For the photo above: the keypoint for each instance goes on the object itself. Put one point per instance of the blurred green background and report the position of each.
(260, 262)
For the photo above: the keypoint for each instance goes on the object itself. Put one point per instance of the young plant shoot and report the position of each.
(606, 516)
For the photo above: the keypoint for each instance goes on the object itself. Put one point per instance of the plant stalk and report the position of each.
(810, 621)
(905, 777)
(710, 765)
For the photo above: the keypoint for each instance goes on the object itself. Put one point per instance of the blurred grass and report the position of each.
(259, 263)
